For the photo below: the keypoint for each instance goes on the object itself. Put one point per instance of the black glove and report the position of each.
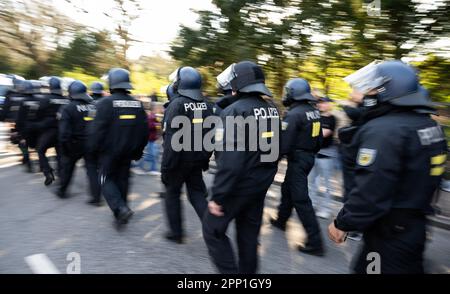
(346, 134)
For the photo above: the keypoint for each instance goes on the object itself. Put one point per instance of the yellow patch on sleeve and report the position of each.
(440, 159)
(130, 116)
(366, 157)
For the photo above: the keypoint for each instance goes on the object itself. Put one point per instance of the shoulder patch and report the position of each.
(366, 157)
(284, 126)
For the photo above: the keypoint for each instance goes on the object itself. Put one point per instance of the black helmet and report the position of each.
(188, 83)
(402, 87)
(97, 88)
(17, 83)
(30, 87)
(78, 91)
(170, 92)
(297, 90)
(394, 81)
(54, 85)
(119, 78)
(248, 77)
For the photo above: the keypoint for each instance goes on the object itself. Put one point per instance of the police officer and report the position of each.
(244, 174)
(73, 130)
(28, 118)
(9, 109)
(301, 140)
(185, 166)
(9, 112)
(97, 91)
(399, 155)
(48, 127)
(119, 135)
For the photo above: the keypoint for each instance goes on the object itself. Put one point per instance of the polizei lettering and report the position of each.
(126, 104)
(313, 115)
(266, 113)
(195, 106)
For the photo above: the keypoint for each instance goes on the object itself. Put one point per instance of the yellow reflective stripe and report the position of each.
(197, 120)
(132, 116)
(266, 135)
(437, 171)
(438, 160)
(316, 129)
(87, 118)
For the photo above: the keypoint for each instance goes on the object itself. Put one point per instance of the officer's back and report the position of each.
(256, 175)
(28, 114)
(302, 129)
(51, 104)
(122, 121)
(77, 115)
(196, 111)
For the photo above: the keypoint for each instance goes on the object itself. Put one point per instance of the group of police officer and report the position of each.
(107, 132)
(394, 156)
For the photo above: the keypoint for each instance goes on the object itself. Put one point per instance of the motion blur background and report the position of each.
(322, 41)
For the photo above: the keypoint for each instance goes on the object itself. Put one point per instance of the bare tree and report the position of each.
(31, 29)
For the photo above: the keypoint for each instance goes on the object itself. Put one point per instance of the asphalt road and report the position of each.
(33, 221)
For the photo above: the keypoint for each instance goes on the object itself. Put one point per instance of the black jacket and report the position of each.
(10, 108)
(29, 115)
(301, 129)
(120, 128)
(49, 107)
(195, 113)
(242, 173)
(75, 118)
(398, 159)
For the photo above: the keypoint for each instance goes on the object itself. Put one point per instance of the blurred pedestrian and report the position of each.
(322, 173)
(148, 164)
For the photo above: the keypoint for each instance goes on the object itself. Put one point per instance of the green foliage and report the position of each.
(322, 41)
(435, 76)
(148, 82)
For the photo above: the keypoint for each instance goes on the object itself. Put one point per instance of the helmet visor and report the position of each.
(367, 78)
(225, 78)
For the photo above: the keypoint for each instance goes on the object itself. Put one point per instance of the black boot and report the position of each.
(49, 178)
(277, 224)
(59, 193)
(174, 238)
(95, 202)
(123, 215)
(316, 250)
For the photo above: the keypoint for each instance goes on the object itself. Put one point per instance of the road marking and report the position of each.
(42, 265)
